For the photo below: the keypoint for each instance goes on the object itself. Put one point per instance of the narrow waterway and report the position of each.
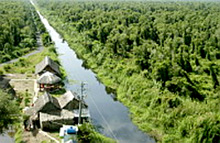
(111, 117)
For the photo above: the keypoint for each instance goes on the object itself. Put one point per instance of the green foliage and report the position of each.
(27, 99)
(27, 65)
(9, 111)
(161, 58)
(18, 27)
(18, 134)
(87, 134)
(46, 39)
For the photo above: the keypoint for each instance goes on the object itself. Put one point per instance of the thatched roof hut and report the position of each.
(47, 65)
(70, 101)
(46, 104)
(48, 78)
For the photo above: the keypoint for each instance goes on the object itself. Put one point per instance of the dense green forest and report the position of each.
(19, 25)
(162, 58)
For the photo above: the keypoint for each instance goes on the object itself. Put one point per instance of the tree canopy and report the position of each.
(18, 28)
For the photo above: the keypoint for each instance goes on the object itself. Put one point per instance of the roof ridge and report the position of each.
(47, 62)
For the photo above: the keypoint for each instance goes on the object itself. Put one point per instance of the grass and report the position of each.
(87, 134)
(27, 65)
(18, 134)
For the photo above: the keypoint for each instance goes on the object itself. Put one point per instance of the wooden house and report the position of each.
(51, 113)
(46, 104)
(56, 121)
(47, 65)
(70, 101)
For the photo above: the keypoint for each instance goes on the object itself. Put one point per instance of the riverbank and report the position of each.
(110, 116)
(24, 81)
(169, 96)
(21, 72)
(106, 77)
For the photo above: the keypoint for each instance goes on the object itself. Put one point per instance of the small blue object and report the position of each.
(71, 130)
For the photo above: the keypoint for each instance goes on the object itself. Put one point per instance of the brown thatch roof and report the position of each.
(47, 62)
(68, 98)
(55, 121)
(4, 82)
(46, 103)
(64, 114)
(48, 78)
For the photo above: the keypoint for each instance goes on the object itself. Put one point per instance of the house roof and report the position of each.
(66, 98)
(47, 62)
(4, 82)
(28, 111)
(64, 114)
(48, 78)
(43, 100)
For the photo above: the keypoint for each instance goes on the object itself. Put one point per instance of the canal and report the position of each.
(109, 116)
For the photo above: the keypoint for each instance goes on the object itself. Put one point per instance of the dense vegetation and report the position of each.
(9, 111)
(161, 58)
(18, 28)
(87, 134)
(21, 28)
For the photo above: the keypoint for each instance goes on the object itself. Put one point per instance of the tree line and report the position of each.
(18, 28)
